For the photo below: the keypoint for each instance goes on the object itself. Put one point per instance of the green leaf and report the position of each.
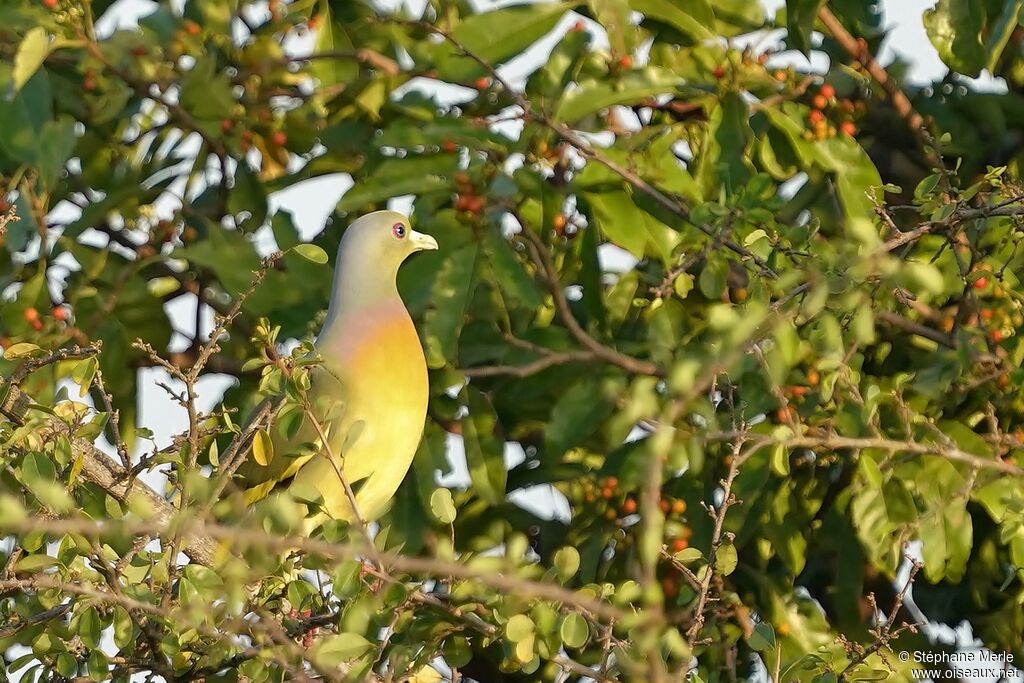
(762, 638)
(593, 95)
(575, 631)
(1001, 30)
(453, 288)
(800, 16)
(495, 37)
(485, 449)
(262, 448)
(630, 227)
(311, 252)
(726, 558)
(31, 564)
(567, 562)
(693, 19)
(332, 37)
(334, 650)
(248, 196)
(21, 350)
(519, 627)
(443, 506)
(32, 52)
(954, 27)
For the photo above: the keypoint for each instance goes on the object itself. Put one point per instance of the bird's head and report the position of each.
(371, 250)
(384, 239)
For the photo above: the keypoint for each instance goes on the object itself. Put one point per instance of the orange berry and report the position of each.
(782, 415)
(192, 28)
(997, 336)
(279, 138)
(846, 106)
(246, 135)
(462, 179)
(816, 116)
(313, 22)
(670, 586)
(779, 75)
(827, 91)
(986, 314)
(813, 377)
(37, 325)
(5, 342)
(189, 234)
(580, 25)
(625, 61)
(665, 505)
(611, 481)
(848, 128)
(31, 314)
(981, 283)
(60, 313)
(783, 629)
(819, 102)
(607, 493)
(50, 4)
(628, 506)
(448, 146)
(679, 545)
(559, 224)
(678, 506)
(482, 83)
(226, 125)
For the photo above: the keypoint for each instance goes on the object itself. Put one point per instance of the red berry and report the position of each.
(226, 125)
(848, 128)
(192, 28)
(448, 146)
(816, 116)
(628, 506)
(625, 61)
(580, 25)
(819, 102)
(60, 313)
(31, 314)
(997, 336)
(50, 4)
(981, 283)
(37, 325)
(719, 72)
(279, 138)
(482, 83)
(680, 544)
(828, 91)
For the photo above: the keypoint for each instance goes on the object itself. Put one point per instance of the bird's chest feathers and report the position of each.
(379, 360)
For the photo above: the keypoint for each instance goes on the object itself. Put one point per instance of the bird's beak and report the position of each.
(422, 242)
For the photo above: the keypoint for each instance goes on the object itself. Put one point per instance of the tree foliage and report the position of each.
(759, 326)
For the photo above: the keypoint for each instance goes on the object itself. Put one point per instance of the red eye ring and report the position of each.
(398, 230)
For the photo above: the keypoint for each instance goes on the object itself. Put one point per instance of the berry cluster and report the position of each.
(827, 110)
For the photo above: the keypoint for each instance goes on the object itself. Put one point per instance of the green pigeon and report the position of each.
(371, 389)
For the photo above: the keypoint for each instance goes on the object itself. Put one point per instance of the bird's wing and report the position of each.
(326, 396)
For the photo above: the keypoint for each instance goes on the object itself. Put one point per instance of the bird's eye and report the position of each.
(398, 230)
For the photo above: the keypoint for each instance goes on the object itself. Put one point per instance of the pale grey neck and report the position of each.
(359, 288)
